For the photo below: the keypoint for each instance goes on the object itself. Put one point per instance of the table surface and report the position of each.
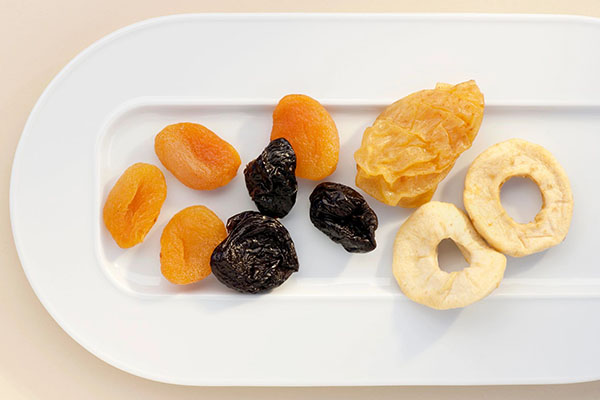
(37, 358)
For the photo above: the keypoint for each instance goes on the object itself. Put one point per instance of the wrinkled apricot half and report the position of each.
(187, 243)
(309, 128)
(196, 156)
(133, 204)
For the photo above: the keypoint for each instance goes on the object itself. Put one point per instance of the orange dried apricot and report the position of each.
(187, 242)
(196, 156)
(414, 143)
(133, 204)
(309, 128)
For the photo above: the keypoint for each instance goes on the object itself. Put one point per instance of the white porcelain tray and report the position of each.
(341, 320)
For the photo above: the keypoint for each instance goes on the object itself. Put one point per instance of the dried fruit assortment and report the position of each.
(343, 214)
(196, 156)
(410, 148)
(187, 243)
(307, 125)
(271, 179)
(134, 203)
(257, 255)
(415, 142)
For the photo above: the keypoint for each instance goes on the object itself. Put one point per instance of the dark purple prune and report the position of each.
(343, 214)
(257, 255)
(271, 179)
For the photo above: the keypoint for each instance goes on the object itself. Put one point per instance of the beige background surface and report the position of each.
(38, 360)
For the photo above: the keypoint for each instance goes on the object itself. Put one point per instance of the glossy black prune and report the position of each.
(271, 179)
(257, 255)
(343, 214)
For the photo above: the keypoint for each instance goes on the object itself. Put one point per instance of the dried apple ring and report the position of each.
(415, 263)
(486, 175)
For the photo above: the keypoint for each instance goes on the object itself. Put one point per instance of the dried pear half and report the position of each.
(414, 143)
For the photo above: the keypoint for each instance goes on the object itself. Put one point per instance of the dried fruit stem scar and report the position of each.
(415, 262)
(490, 170)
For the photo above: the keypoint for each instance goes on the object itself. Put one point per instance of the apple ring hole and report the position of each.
(450, 256)
(521, 198)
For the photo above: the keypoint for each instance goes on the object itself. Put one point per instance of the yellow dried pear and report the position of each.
(414, 143)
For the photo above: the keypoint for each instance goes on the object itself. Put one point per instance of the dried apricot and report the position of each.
(187, 243)
(414, 143)
(133, 204)
(196, 156)
(309, 128)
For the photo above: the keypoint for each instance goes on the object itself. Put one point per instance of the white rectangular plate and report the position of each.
(340, 320)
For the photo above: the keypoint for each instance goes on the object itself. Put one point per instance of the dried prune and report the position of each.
(343, 214)
(257, 255)
(312, 133)
(271, 179)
